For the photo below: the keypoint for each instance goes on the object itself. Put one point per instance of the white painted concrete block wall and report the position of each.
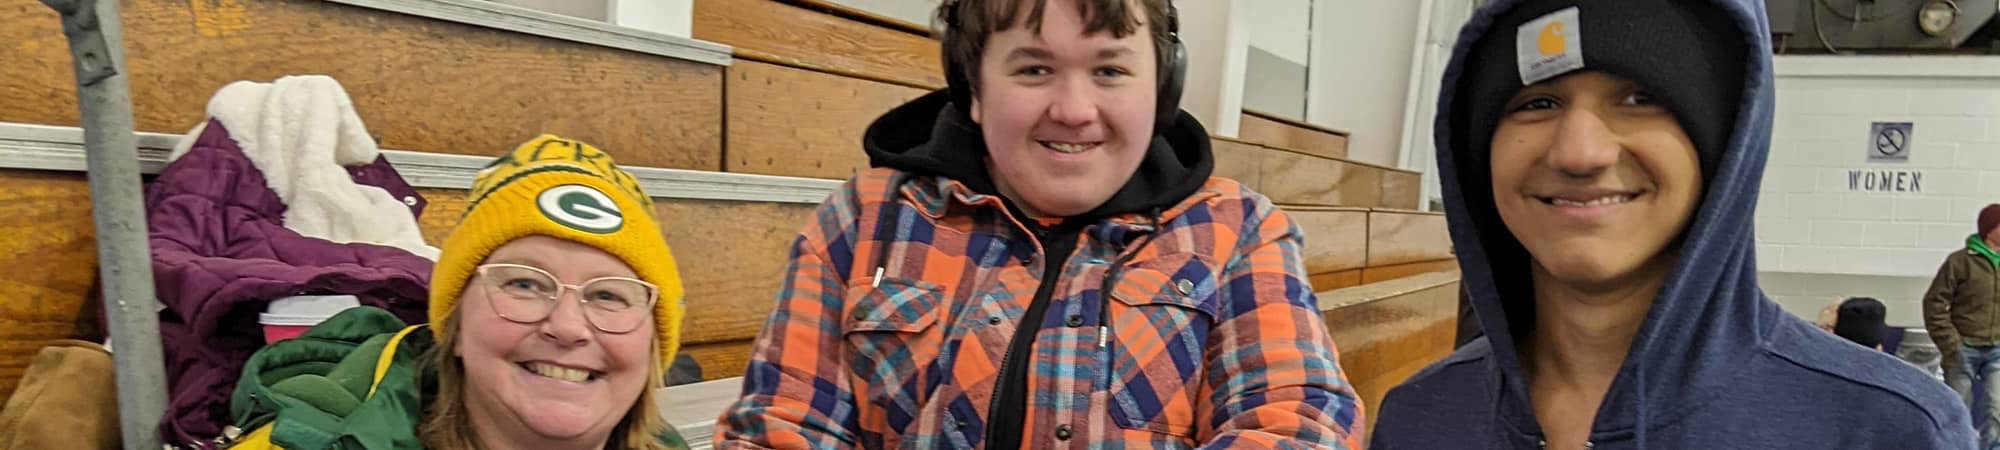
(1360, 73)
(1816, 239)
(1282, 27)
(1418, 147)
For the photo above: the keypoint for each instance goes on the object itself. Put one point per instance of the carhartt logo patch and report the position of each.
(582, 208)
(1549, 46)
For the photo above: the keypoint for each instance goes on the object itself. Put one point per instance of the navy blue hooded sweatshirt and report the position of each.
(1715, 365)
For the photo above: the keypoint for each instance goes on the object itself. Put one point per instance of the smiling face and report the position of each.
(1595, 179)
(1067, 115)
(555, 381)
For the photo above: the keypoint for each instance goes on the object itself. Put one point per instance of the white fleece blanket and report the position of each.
(299, 131)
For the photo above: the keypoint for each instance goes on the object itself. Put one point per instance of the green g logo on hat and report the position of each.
(582, 208)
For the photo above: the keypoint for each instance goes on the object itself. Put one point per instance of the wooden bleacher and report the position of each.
(823, 39)
(1387, 331)
(806, 77)
(1274, 131)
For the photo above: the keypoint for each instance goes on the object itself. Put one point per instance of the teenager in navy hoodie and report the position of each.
(1600, 163)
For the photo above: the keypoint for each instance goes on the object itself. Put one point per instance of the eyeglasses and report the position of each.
(524, 294)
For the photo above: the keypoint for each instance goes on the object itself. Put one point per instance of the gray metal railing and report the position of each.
(124, 262)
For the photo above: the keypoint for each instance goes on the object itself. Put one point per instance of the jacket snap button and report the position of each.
(1062, 432)
(409, 200)
(1075, 321)
(993, 320)
(1184, 286)
(960, 423)
(860, 315)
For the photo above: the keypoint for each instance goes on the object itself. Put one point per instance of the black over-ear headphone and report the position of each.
(1172, 73)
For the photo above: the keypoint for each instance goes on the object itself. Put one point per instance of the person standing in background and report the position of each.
(1829, 315)
(1960, 312)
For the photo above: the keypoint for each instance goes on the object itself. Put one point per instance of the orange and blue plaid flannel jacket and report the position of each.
(1214, 341)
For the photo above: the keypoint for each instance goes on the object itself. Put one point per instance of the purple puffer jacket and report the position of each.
(221, 252)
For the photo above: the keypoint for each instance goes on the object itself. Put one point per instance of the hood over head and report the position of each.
(928, 136)
(1709, 62)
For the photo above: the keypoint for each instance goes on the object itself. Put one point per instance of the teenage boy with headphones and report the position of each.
(956, 295)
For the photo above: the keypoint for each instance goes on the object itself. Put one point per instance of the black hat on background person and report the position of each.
(1860, 320)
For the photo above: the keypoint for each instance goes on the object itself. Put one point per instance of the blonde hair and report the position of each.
(447, 426)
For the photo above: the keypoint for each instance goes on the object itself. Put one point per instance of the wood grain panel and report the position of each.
(1401, 190)
(732, 258)
(842, 9)
(1322, 282)
(1295, 179)
(1377, 274)
(1336, 238)
(1417, 350)
(1383, 341)
(774, 32)
(419, 84)
(442, 209)
(801, 123)
(720, 359)
(1265, 130)
(48, 243)
(1400, 237)
(1239, 161)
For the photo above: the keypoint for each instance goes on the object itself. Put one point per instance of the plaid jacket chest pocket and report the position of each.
(1163, 311)
(892, 338)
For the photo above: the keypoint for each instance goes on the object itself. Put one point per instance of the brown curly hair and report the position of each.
(964, 25)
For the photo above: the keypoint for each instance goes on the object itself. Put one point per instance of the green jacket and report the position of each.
(1963, 304)
(319, 390)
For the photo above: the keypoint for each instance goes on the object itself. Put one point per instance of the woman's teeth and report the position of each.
(558, 372)
(1069, 148)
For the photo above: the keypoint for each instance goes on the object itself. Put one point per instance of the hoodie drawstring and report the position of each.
(1639, 428)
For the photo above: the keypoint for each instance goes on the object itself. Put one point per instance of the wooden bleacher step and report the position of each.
(418, 82)
(1389, 330)
(1272, 130)
(1292, 178)
(779, 33)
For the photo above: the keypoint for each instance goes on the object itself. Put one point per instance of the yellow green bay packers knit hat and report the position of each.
(568, 190)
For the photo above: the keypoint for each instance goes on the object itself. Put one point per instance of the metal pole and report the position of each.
(124, 262)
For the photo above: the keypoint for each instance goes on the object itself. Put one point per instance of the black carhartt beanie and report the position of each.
(1689, 54)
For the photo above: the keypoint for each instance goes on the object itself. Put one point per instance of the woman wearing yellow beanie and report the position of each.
(555, 308)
